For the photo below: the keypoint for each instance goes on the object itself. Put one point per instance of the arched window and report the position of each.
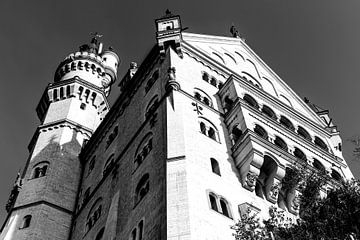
(215, 166)
(91, 164)
(224, 208)
(286, 123)
(40, 169)
(320, 143)
(111, 137)
(269, 112)
(266, 177)
(205, 76)
(228, 103)
(208, 129)
(261, 131)
(211, 133)
(317, 164)
(236, 133)
(100, 234)
(202, 97)
(299, 154)
(143, 149)
(108, 164)
(214, 82)
(213, 203)
(251, 101)
(142, 188)
(94, 214)
(336, 175)
(151, 107)
(280, 143)
(303, 133)
(26, 221)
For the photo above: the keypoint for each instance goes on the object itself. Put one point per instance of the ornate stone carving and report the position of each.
(274, 191)
(172, 84)
(250, 181)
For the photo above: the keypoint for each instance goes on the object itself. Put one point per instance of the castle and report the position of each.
(202, 131)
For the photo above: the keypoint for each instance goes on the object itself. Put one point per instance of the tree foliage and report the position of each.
(333, 217)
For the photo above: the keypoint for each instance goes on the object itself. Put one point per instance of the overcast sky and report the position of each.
(312, 45)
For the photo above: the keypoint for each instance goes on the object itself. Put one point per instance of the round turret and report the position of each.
(91, 65)
(111, 63)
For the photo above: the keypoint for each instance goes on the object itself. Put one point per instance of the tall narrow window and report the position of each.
(215, 166)
(203, 128)
(205, 77)
(213, 203)
(142, 188)
(141, 229)
(26, 221)
(100, 234)
(224, 208)
(133, 234)
(211, 133)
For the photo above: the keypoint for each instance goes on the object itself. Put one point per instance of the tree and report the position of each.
(333, 217)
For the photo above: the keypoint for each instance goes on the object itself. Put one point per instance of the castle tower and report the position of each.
(42, 202)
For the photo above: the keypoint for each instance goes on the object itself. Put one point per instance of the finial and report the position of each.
(234, 32)
(168, 12)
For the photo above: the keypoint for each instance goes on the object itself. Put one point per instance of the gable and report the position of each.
(234, 55)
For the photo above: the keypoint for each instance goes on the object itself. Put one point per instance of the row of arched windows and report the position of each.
(279, 142)
(285, 122)
(212, 80)
(219, 204)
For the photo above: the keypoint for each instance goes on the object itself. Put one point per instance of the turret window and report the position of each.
(40, 170)
(26, 221)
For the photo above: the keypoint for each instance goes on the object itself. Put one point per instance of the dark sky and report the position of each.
(312, 45)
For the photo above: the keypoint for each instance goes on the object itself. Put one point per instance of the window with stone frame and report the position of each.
(143, 150)
(303, 133)
(112, 137)
(268, 112)
(320, 143)
(219, 204)
(94, 214)
(142, 188)
(215, 166)
(260, 131)
(202, 97)
(251, 101)
(109, 164)
(151, 107)
(208, 129)
(284, 121)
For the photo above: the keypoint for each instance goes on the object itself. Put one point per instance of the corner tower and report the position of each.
(42, 202)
